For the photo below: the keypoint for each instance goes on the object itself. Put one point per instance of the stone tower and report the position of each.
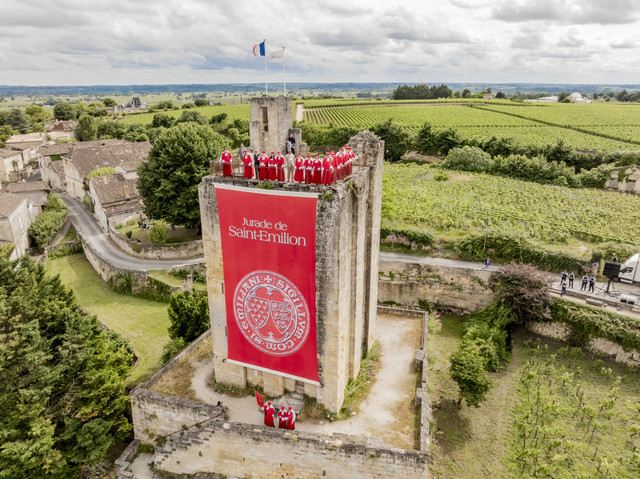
(271, 124)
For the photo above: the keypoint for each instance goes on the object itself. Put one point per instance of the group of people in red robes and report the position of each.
(329, 169)
(285, 418)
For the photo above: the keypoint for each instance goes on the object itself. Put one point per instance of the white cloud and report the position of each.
(210, 41)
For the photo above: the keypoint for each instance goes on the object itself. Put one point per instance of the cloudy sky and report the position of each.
(98, 42)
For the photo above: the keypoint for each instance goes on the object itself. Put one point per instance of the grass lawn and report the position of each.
(141, 321)
(485, 442)
(179, 234)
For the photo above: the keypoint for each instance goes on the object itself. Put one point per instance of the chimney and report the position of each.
(126, 190)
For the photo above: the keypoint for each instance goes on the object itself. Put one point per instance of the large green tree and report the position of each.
(64, 111)
(87, 129)
(189, 315)
(17, 120)
(396, 139)
(62, 377)
(168, 181)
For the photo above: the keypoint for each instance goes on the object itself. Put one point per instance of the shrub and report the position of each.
(158, 232)
(468, 158)
(172, 348)
(468, 371)
(608, 250)
(189, 315)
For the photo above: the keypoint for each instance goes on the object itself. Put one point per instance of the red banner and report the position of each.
(269, 261)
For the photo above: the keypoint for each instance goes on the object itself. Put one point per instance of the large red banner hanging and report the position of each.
(269, 262)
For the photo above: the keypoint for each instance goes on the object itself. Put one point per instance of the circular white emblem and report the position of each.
(271, 313)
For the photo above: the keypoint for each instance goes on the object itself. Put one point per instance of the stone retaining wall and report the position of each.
(188, 250)
(461, 290)
(562, 332)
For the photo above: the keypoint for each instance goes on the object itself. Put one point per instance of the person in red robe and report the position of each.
(269, 412)
(247, 161)
(273, 167)
(283, 417)
(280, 167)
(317, 171)
(264, 166)
(225, 161)
(291, 423)
(350, 155)
(298, 174)
(327, 170)
(308, 169)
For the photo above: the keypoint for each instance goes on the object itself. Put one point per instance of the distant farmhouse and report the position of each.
(544, 99)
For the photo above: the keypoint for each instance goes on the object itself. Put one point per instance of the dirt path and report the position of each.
(394, 390)
(387, 413)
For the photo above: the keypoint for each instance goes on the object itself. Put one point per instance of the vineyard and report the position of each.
(414, 196)
(600, 126)
(233, 111)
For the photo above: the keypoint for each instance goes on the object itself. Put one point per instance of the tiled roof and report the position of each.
(27, 186)
(86, 159)
(131, 166)
(9, 203)
(111, 189)
(27, 137)
(8, 152)
(56, 149)
(58, 167)
(24, 145)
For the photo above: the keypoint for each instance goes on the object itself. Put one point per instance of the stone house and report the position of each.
(10, 160)
(61, 129)
(115, 199)
(488, 96)
(89, 156)
(34, 191)
(16, 215)
(28, 144)
(51, 166)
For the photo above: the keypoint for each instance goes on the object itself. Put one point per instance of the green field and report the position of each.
(471, 443)
(141, 321)
(594, 126)
(233, 111)
(467, 201)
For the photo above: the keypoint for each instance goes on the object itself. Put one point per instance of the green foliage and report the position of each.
(168, 181)
(598, 323)
(201, 102)
(189, 315)
(48, 223)
(109, 102)
(37, 114)
(396, 139)
(607, 251)
(87, 129)
(17, 120)
(322, 137)
(158, 232)
(514, 246)
(193, 116)
(162, 120)
(183, 273)
(421, 92)
(64, 111)
(468, 158)
(88, 203)
(62, 398)
(5, 132)
(468, 371)
(165, 105)
(107, 170)
(172, 348)
(431, 141)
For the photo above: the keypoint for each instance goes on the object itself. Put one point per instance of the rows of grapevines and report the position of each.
(412, 196)
(233, 111)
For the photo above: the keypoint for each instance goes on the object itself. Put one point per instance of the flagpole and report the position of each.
(284, 77)
(266, 85)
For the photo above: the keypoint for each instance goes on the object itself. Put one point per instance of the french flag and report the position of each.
(259, 48)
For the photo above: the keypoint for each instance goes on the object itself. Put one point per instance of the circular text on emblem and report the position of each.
(271, 313)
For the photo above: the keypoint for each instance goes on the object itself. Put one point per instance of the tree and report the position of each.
(201, 102)
(396, 139)
(64, 111)
(468, 370)
(37, 114)
(109, 102)
(168, 181)
(87, 129)
(465, 93)
(562, 96)
(191, 115)
(62, 377)
(162, 120)
(5, 133)
(500, 95)
(17, 120)
(189, 315)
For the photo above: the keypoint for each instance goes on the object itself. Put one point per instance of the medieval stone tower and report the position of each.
(301, 257)
(271, 124)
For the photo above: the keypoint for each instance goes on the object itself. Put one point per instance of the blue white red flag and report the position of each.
(259, 49)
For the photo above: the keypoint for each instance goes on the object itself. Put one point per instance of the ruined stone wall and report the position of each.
(245, 451)
(463, 290)
(272, 135)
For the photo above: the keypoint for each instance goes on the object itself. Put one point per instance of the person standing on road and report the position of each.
(585, 281)
(571, 278)
(564, 289)
(592, 284)
(487, 262)
(563, 276)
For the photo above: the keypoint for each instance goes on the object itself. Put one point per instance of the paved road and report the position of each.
(85, 223)
(409, 258)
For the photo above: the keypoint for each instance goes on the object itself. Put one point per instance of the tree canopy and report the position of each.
(189, 315)
(421, 92)
(87, 129)
(62, 377)
(168, 181)
(64, 111)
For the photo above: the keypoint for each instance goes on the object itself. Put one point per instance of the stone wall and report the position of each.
(627, 182)
(562, 332)
(422, 393)
(462, 290)
(246, 451)
(188, 250)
